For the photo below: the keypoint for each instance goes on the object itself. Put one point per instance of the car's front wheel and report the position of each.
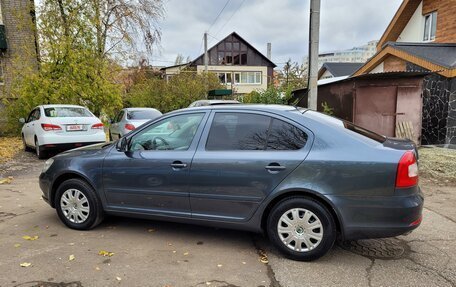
(77, 205)
(24, 145)
(301, 228)
(40, 153)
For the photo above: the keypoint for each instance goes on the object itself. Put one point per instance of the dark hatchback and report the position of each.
(299, 176)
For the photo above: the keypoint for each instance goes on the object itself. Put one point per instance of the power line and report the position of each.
(216, 18)
(216, 34)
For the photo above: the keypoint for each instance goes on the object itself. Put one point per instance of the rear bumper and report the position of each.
(71, 138)
(379, 217)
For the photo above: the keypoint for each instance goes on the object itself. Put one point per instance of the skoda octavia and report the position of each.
(301, 177)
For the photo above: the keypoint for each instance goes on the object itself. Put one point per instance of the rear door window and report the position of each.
(238, 131)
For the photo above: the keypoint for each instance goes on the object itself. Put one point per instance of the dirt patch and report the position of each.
(9, 148)
(438, 165)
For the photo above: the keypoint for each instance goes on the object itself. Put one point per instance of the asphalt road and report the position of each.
(151, 253)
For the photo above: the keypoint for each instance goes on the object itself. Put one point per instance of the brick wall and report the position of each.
(20, 37)
(446, 19)
(394, 64)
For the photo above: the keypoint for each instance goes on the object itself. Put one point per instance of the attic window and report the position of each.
(430, 26)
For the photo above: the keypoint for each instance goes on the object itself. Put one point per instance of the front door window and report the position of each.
(172, 133)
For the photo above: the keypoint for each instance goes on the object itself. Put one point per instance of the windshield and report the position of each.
(66, 112)
(143, 115)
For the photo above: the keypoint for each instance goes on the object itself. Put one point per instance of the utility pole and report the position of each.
(206, 58)
(314, 35)
(269, 51)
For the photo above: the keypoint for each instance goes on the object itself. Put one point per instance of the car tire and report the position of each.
(77, 205)
(307, 229)
(40, 153)
(25, 146)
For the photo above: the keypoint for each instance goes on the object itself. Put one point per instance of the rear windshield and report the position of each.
(348, 125)
(364, 132)
(66, 112)
(143, 115)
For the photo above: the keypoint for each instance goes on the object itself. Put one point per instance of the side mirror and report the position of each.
(122, 144)
(22, 120)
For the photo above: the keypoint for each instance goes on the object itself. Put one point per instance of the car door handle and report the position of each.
(275, 167)
(178, 164)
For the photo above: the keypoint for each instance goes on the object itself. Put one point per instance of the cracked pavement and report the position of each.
(153, 253)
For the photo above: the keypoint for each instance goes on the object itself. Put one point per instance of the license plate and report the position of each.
(74, 128)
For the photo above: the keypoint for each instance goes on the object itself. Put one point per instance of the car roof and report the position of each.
(217, 101)
(255, 107)
(140, 109)
(61, 106)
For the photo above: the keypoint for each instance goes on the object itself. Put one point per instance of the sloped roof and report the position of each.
(339, 69)
(435, 57)
(399, 21)
(437, 53)
(245, 42)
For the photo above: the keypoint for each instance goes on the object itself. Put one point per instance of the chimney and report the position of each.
(269, 51)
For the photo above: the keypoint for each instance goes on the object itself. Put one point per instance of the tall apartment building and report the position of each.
(358, 54)
(18, 46)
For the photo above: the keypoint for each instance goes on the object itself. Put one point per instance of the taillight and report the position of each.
(51, 127)
(407, 171)
(98, 126)
(129, 127)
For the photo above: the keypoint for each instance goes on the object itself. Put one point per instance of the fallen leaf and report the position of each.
(208, 283)
(26, 264)
(97, 268)
(17, 245)
(118, 278)
(71, 257)
(263, 256)
(105, 253)
(6, 180)
(174, 251)
(31, 238)
(71, 244)
(151, 230)
(219, 265)
(243, 262)
(186, 253)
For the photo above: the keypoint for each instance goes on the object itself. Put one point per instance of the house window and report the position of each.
(247, 78)
(430, 26)
(232, 52)
(224, 78)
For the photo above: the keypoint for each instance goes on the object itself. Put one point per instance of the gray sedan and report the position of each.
(129, 119)
(299, 176)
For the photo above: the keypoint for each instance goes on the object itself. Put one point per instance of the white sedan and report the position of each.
(60, 127)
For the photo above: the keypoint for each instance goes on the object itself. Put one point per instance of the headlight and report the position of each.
(47, 164)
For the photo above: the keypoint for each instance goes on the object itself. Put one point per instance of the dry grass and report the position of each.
(438, 164)
(9, 147)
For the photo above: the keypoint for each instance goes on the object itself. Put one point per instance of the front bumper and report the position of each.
(380, 217)
(66, 146)
(45, 186)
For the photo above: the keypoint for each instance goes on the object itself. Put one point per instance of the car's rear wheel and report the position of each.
(301, 228)
(40, 153)
(77, 205)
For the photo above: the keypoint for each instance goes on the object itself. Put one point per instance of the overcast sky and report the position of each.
(284, 23)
